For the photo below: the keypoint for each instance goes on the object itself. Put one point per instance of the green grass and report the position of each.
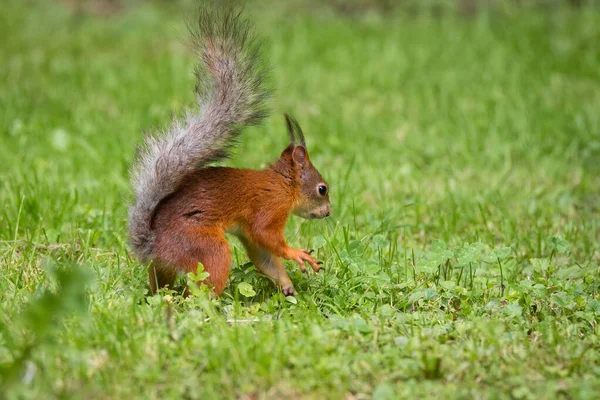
(462, 256)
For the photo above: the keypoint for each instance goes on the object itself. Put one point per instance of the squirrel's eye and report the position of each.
(322, 190)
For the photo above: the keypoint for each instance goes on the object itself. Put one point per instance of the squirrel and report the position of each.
(184, 206)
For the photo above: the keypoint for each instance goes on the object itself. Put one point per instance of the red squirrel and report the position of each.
(183, 206)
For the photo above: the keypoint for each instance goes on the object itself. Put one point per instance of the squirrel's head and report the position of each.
(313, 201)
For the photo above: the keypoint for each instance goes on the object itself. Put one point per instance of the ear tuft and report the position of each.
(294, 131)
(300, 155)
(290, 127)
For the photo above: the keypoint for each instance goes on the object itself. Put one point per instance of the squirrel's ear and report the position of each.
(300, 155)
(288, 150)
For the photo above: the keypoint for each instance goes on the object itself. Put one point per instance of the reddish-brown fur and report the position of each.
(190, 225)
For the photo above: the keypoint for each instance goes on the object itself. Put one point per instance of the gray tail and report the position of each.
(231, 94)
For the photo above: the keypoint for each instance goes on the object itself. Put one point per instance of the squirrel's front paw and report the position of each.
(301, 256)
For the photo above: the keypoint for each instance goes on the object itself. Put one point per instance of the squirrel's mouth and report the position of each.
(314, 213)
(319, 216)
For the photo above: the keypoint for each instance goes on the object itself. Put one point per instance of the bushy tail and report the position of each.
(231, 93)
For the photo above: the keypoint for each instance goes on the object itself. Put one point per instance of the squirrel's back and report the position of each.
(231, 93)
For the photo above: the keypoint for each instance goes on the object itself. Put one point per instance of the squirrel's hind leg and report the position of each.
(269, 265)
(160, 277)
(212, 250)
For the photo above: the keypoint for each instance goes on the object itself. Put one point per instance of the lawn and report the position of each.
(462, 255)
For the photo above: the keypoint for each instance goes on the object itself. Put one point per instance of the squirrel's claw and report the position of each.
(304, 256)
